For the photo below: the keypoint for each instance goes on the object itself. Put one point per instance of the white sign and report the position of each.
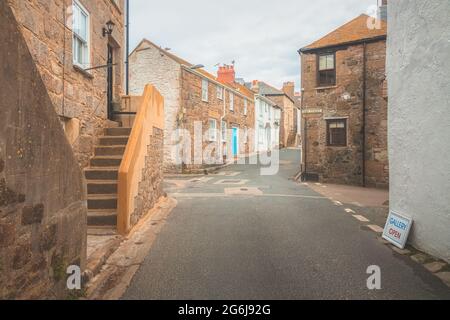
(397, 229)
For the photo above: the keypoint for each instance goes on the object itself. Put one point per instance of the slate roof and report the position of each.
(353, 31)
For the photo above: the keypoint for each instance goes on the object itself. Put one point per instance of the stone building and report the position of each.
(345, 105)
(284, 99)
(66, 38)
(224, 107)
(42, 194)
(419, 120)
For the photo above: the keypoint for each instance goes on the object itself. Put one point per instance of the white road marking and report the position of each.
(350, 211)
(338, 203)
(376, 228)
(361, 218)
(232, 182)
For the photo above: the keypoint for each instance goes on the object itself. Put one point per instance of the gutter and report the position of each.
(342, 45)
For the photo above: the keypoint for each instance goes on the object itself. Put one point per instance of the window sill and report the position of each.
(326, 87)
(337, 147)
(85, 73)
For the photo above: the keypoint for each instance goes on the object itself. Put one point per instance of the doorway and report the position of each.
(110, 82)
(235, 141)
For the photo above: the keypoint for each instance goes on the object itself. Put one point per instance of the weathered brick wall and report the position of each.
(151, 187)
(344, 164)
(78, 98)
(42, 196)
(149, 66)
(197, 110)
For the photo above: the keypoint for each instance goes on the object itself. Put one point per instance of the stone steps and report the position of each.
(102, 181)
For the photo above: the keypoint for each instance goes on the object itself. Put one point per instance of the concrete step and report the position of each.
(117, 131)
(109, 150)
(102, 187)
(114, 140)
(102, 231)
(102, 218)
(102, 202)
(106, 161)
(101, 174)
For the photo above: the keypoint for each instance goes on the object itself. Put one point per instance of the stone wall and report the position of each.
(345, 164)
(194, 110)
(42, 196)
(149, 66)
(151, 186)
(419, 120)
(78, 97)
(288, 131)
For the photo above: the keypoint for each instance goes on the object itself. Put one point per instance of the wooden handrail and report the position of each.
(150, 115)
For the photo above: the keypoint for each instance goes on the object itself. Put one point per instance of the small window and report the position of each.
(212, 130)
(337, 133)
(224, 131)
(245, 107)
(231, 101)
(205, 90)
(80, 29)
(326, 70)
(219, 93)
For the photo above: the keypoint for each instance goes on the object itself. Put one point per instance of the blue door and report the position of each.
(235, 142)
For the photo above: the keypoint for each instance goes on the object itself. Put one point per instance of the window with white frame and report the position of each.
(224, 131)
(205, 84)
(245, 107)
(212, 130)
(231, 101)
(219, 93)
(245, 135)
(80, 28)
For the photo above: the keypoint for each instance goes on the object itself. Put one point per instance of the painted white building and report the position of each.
(419, 120)
(267, 124)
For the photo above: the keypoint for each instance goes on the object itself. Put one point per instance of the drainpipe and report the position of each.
(304, 138)
(364, 117)
(127, 65)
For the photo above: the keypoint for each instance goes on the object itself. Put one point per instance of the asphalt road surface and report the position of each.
(278, 240)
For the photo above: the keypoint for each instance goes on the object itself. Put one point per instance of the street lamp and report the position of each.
(109, 28)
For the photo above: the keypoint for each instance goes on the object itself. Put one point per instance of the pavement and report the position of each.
(239, 235)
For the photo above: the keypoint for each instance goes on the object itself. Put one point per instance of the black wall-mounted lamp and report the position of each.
(108, 30)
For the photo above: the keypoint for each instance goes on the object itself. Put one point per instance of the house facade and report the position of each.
(66, 40)
(345, 105)
(197, 103)
(284, 99)
(267, 125)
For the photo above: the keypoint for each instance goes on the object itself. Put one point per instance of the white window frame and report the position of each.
(86, 41)
(231, 101)
(224, 131)
(212, 130)
(205, 91)
(219, 93)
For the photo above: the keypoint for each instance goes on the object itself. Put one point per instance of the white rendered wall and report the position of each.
(419, 119)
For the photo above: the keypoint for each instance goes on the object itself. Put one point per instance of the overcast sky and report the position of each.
(261, 36)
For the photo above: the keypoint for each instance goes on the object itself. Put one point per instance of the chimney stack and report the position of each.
(226, 74)
(255, 86)
(289, 88)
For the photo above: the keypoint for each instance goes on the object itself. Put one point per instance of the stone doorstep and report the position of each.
(106, 246)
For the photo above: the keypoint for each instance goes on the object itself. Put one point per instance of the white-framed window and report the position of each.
(212, 130)
(219, 93)
(205, 84)
(245, 107)
(231, 101)
(245, 135)
(81, 38)
(224, 131)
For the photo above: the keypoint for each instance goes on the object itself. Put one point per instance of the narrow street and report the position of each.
(277, 240)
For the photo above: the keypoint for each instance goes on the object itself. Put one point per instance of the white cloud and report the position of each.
(262, 36)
